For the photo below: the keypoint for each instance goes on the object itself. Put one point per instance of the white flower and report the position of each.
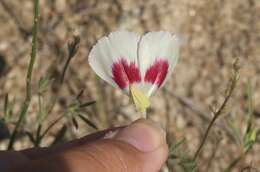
(138, 65)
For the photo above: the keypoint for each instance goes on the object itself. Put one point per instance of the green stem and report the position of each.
(217, 113)
(27, 100)
(205, 137)
(65, 69)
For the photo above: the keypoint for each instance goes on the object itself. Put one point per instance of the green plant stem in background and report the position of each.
(217, 113)
(205, 136)
(250, 134)
(72, 49)
(27, 100)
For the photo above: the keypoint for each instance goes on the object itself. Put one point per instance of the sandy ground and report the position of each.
(215, 33)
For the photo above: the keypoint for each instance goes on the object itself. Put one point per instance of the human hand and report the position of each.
(139, 147)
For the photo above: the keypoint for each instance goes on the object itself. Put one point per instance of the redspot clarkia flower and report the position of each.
(136, 64)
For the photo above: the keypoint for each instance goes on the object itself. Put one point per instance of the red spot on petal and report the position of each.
(157, 72)
(125, 73)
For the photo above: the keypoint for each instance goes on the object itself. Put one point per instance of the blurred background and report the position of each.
(215, 32)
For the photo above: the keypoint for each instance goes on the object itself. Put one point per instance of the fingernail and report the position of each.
(144, 135)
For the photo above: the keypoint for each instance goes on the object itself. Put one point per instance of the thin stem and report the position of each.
(65, 69)
(72, 49)
(213, 155)
(50, 127)
(205, 137)
(27, 100)
(217, 113)
(234, 163)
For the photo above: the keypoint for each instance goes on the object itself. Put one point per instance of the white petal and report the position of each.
(154, 45)
(118, 44)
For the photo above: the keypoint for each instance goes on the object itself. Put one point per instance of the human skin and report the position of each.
(138, 147)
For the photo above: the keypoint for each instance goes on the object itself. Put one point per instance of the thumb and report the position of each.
(139, 147)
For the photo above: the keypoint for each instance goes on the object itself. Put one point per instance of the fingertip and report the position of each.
(144, 135)
(154, 161)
